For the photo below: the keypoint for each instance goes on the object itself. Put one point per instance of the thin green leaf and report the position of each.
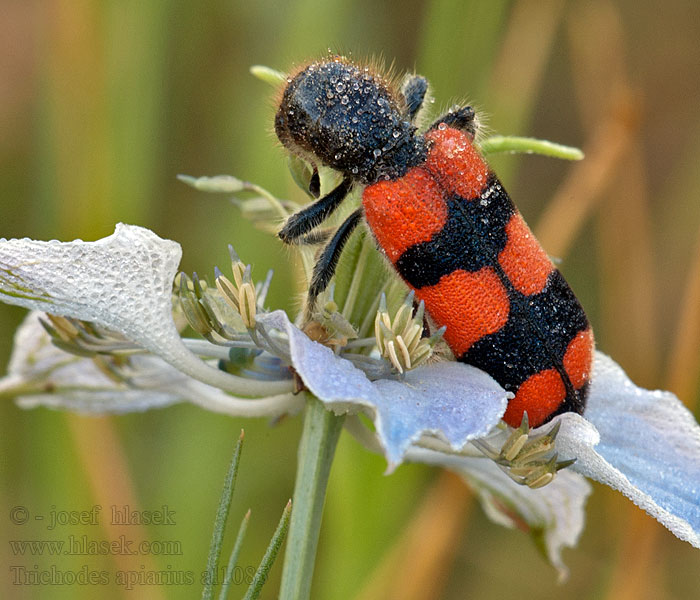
(220, 522)
(301, 172)
(270, 554)
(233, 559)
(527, 145)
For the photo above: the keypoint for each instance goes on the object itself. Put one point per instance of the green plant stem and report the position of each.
(316, 450)
(527, 145)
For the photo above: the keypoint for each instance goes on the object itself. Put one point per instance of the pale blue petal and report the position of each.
(643, 443)
(554, 515)
(456, 402)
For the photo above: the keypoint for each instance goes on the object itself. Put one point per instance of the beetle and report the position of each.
(446, 224)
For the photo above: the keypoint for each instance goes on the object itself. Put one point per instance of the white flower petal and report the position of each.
(454, 401)
(553, 515)
(71, 382)
(76, 383)
(643, 443)
(100, 399)
(122, 282)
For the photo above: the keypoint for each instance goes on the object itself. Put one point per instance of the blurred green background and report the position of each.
(103, 103)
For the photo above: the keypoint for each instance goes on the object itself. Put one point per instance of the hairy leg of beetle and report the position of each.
(315, 238)
(313, 215)
(413, 90)
(325, 267)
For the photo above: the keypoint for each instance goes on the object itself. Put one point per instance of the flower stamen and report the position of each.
(328, 326)
(84, 339)
(241, 294)
(399, 339)
(524, 457)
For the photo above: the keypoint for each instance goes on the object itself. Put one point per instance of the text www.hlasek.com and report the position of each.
(84, 546)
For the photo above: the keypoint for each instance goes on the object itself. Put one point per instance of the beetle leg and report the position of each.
(305, 220)
(327, 261)
(413, 90)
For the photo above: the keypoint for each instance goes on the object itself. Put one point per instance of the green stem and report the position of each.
(316, 450)
(527, 145)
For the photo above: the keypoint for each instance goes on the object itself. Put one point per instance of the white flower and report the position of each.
(124, 283)
(644, 444)
(40, 374)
